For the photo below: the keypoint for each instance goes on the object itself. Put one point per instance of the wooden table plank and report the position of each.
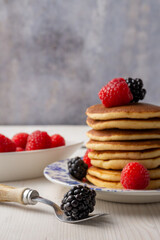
(126, 221)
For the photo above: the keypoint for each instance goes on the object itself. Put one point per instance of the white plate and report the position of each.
(57, 172)
(30, 164)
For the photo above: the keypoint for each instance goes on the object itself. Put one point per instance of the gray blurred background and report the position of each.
(55, 55)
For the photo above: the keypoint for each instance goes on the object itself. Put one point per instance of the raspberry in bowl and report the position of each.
(17, 163)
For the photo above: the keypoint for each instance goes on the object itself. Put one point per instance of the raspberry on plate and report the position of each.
(115, 93)
(38, 140)
(6, 144)
(135, 176)
(20, 139)
(57, 141)
(86, 159)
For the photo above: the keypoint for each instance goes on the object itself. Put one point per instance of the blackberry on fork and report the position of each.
(78, 202)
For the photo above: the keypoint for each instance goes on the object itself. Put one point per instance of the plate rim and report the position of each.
(97, 189)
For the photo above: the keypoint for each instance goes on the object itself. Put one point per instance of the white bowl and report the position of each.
(30, 164)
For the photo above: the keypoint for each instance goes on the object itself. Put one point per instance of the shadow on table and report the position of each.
(98, 222)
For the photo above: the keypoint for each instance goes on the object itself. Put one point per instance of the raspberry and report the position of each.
(115, 93)
(57, 141)
(38, 140)
(19, 149)
(86, 159)
(20, 139)
(135, 176)
(6, 144)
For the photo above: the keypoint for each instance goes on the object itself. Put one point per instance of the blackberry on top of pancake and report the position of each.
(120, 92)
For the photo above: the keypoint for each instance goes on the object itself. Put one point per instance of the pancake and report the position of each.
(145, 154)
(154, 184)
(151, 123)
(123, 145)
(136, 111)
(108, 175)
(115, 175)
(119, 164)
(102, 183)
(119, 134)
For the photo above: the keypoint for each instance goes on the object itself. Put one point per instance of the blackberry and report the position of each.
(78, 202)
(136, 88)
(77, 168)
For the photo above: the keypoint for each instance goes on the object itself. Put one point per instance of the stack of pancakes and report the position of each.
(120, 135)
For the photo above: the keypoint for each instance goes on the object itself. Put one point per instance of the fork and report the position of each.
(27, 196)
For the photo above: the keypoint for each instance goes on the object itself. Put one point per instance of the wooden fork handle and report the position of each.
(11, 194)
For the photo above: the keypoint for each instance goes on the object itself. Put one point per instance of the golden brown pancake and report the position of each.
(123, 145)
(103, 183)
(106, 155)
(115, 175)
(135, 111)
(119, 164)
(119, 134)
(109, 175)
(151, 123)
(153, 184)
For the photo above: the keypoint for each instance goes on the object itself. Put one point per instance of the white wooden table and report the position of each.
(126, 221)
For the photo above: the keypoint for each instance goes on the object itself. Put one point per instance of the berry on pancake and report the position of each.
(120, 91)
(135, 176)
(136, 88)
(115, 93)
